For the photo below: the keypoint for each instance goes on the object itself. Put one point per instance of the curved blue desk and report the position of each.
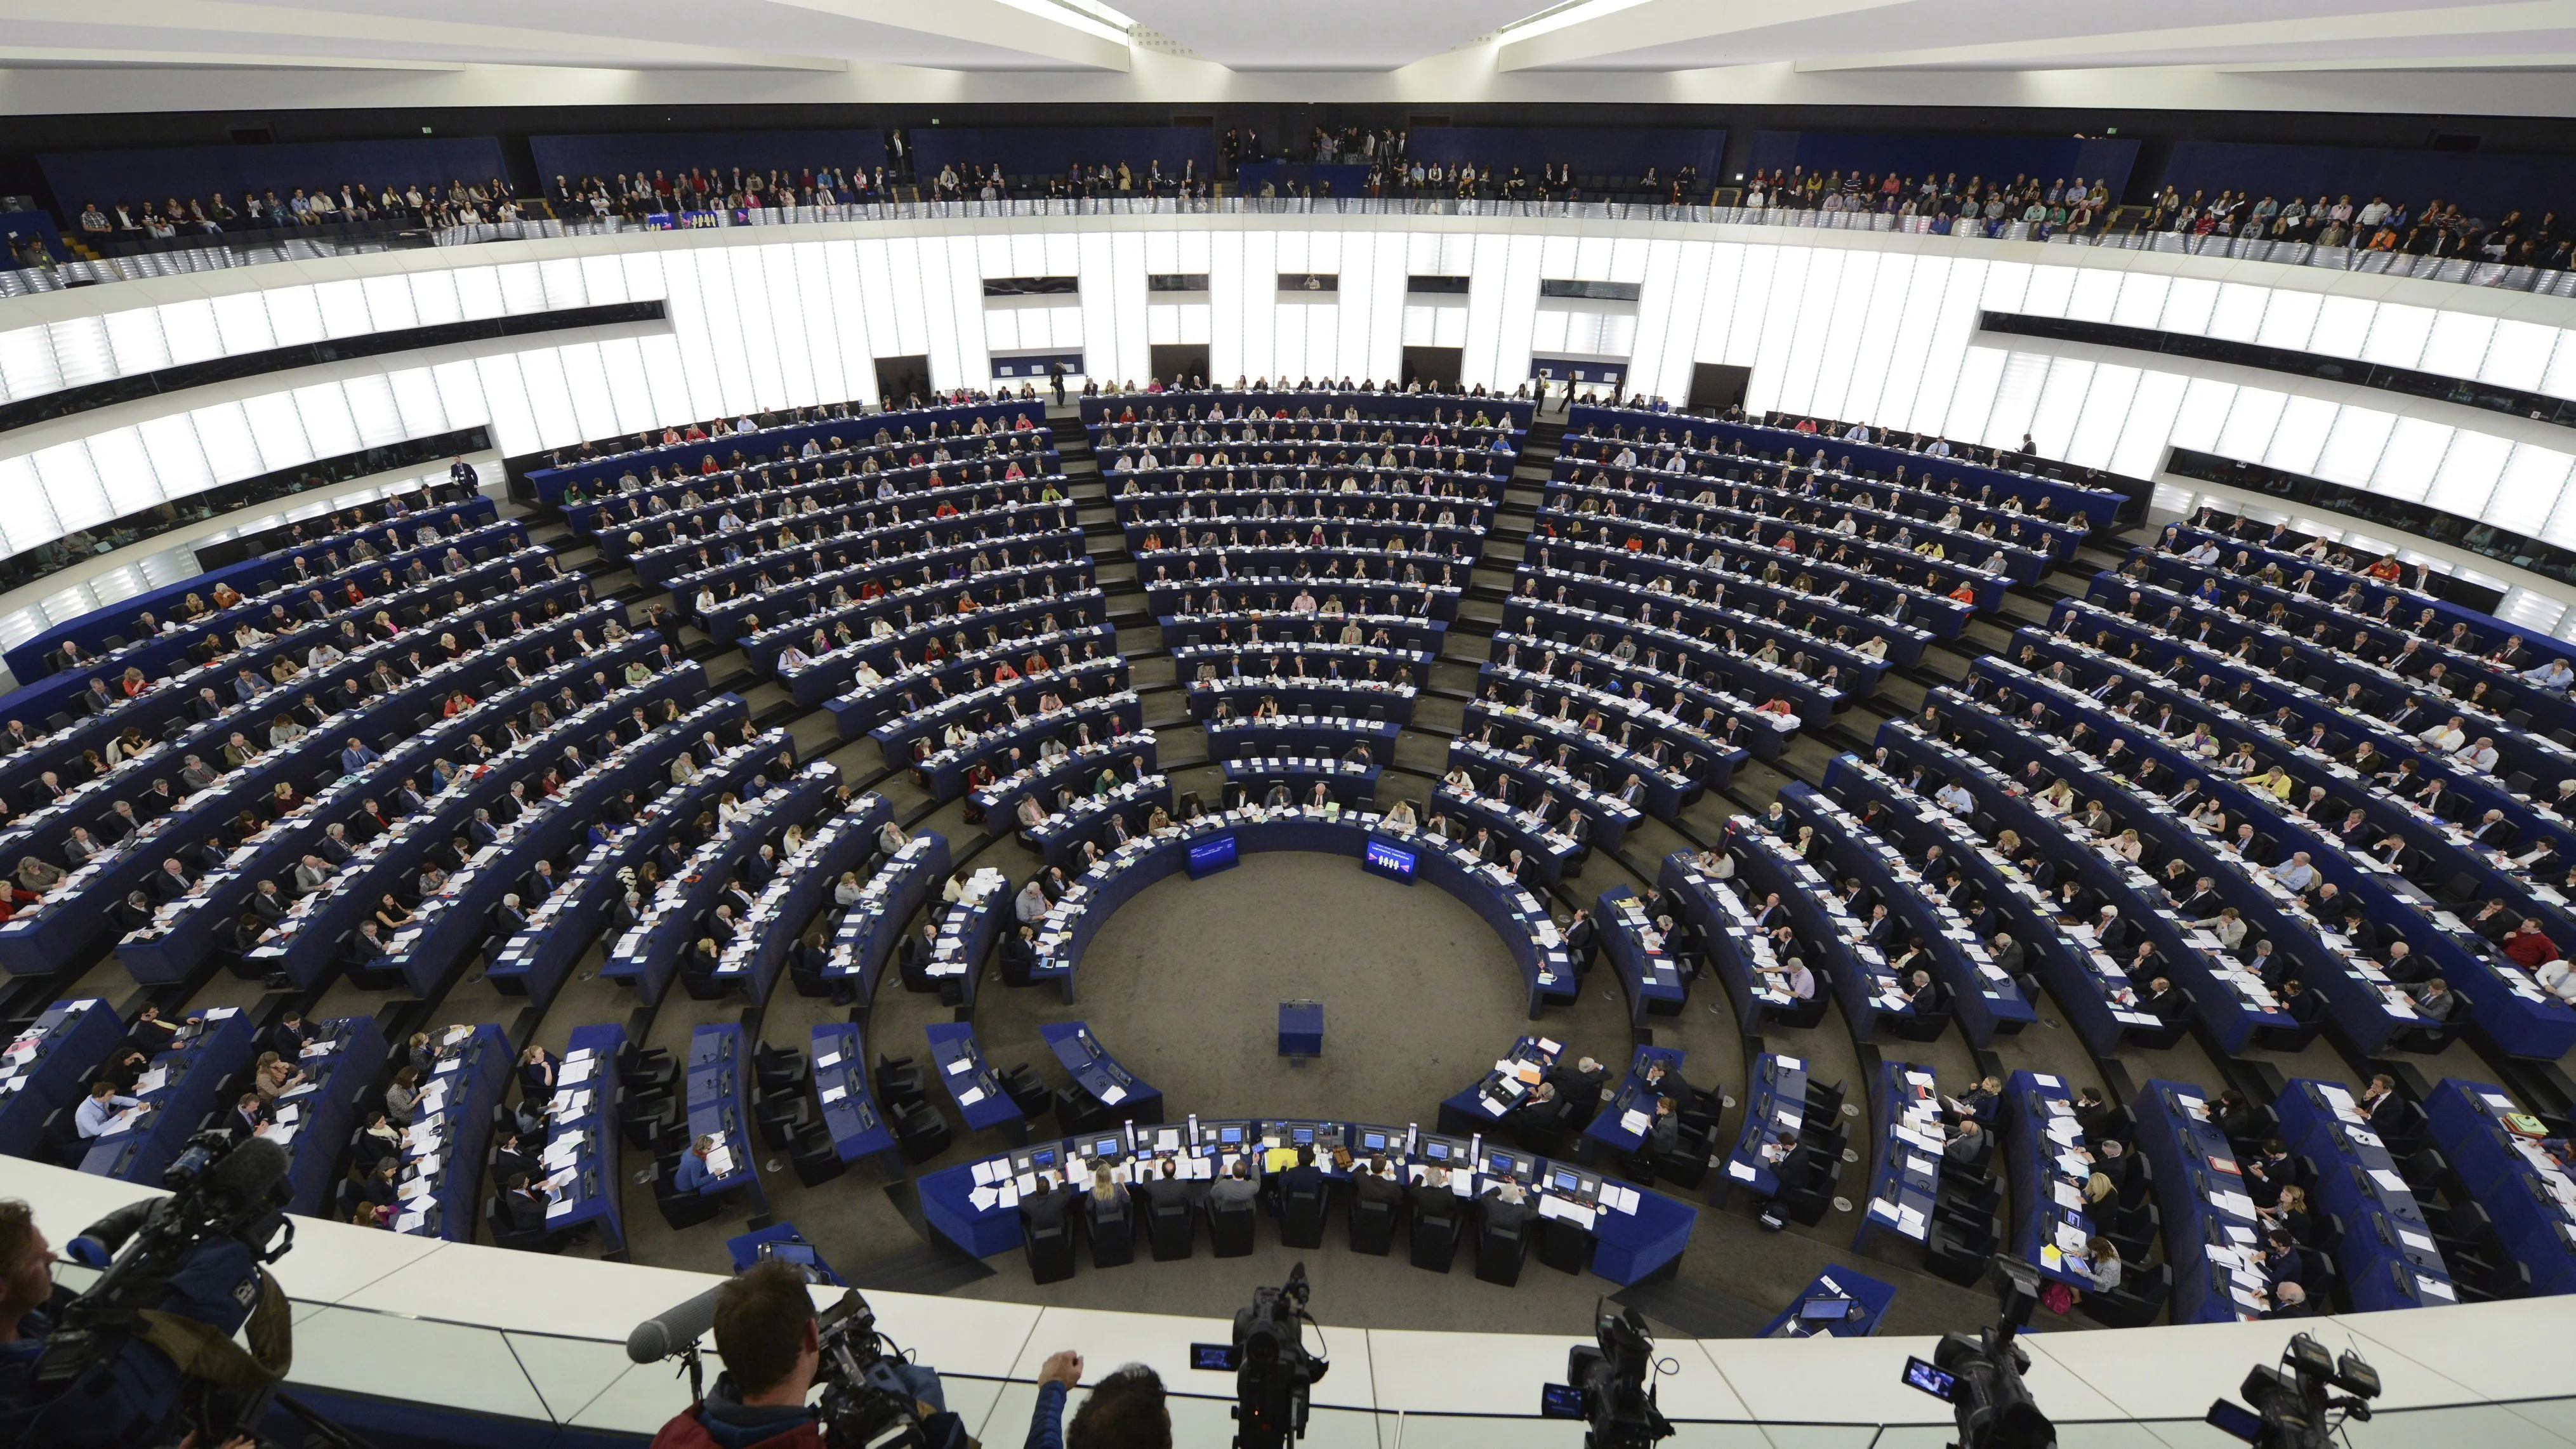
(1095, 1071)
(1519, 917)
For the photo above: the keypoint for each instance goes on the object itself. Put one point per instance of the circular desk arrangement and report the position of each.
(1214, 841)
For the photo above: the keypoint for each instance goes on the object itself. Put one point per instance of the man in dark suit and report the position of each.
(507, 918)
(1303, 1178)
(288, 1037)
(1374, 1181)
(1166, 1189)
(1580, 1087)
(1582, 939)
(523, 1209)
(2163, 1001)
(913, 960)
(2111, 931)
(2203, 902)
(510, 1159)
(171, 881)
(1505, 1207)
(246, 1117)
(1046, 1208)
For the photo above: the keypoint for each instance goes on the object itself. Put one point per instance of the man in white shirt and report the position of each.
(2448, 736)
(94, 1114)
(1955, 798)
(2481, 756)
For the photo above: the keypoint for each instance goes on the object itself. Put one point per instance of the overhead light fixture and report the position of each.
(1561, 15)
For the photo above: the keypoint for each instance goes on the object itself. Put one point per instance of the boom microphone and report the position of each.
(674, 1328)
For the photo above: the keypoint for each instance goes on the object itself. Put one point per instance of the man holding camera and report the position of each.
(765, 1329)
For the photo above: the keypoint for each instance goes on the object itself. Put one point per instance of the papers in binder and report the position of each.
(1634, 1123)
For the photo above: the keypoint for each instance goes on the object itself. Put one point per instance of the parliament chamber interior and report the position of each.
(1030, 719)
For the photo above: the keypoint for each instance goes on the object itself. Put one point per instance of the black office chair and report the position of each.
(2137, 1302)
(1172, 1230)
(526, 1240)
(1027, 1091)
(1372, 1227)
(1077, 1111)
(899, 1083)
(1230, 1229)
(779, 1069)
(1562, 1245)
(813, 1155)
(781, 1120)
(1112, 1230)
(922, 1133)
(647, 1069)
(1499, 1254)
(644, 1115)
(1301, 1216)
(1050, 1251)
(681, 1209)
(1957, 1249)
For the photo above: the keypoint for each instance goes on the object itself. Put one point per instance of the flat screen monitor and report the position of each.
(1105, 1147)
(1043, 1157)
(1825, 1309)
(1391, 861)
(1230, 1136)
(1302, 1136)
(1209, 856)
(1373, 1142)
(1567, 1182)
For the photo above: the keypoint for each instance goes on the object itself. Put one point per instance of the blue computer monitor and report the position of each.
(1372, 1142)
(1229, 1135)
(1390, 861)
(1436, 1151)
(1567, 1181)
(1043, 1157)
(1106, 1147)
(1302, 1136)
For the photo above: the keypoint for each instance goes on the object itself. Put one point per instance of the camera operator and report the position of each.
(765, 1330)
(26, 1285)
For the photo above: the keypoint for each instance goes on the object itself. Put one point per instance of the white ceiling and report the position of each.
(2470, 56)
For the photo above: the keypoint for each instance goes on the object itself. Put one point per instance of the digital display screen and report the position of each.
(2229, 1417)
(1390, 861)
(1104, 1147)
(1302, 1136)
(1436, 1151)
(1568, 1182)
(1216, 1356)
(1043, 1157)
(1210, 856)
(1936, 1382)
(1373, 1141)
(1560, 1401)
(1825, 1309)
(1229, 1135)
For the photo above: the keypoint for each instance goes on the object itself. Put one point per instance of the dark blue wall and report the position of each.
(195, 172)
(673, 152)
(1041, 150)
(2489, 186)
(1996, 158)
(20, 223)
(1590, 150)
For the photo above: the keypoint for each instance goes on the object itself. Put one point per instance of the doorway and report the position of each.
(900, 379)
(1436, 368)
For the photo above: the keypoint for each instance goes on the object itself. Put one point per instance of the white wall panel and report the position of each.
(2190, 306)
(2289, 319)
(72, 484)
(2352, 451)
(2467, 479)
(295, 315)
(2247, 434)
(2106, 410)
(2239, 313)
(223, 430)
(2458, 344)
(2143, 436)
(344, 309)
(373, 411)
(135, 342)
(29, 519)
(1950, 339)
(2300, 435)
(1511, 358)
(1972, 400)
(2049, 292)
(279, 427)
(2202, 413)
(2528, 492)
(178, 460)
(2016, 401)
(586, 379)
(2096, 293)
(2518, 355)
(1918, 316)
(630, 391)
(1749, 309)
(124, 471)
(2142, 299)
(2343, 326)
(189, 331)
(1842, 310)
(785, 318)
(1773, 385)
(2413, 455)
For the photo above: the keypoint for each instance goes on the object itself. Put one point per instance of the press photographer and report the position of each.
(147, 1355)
